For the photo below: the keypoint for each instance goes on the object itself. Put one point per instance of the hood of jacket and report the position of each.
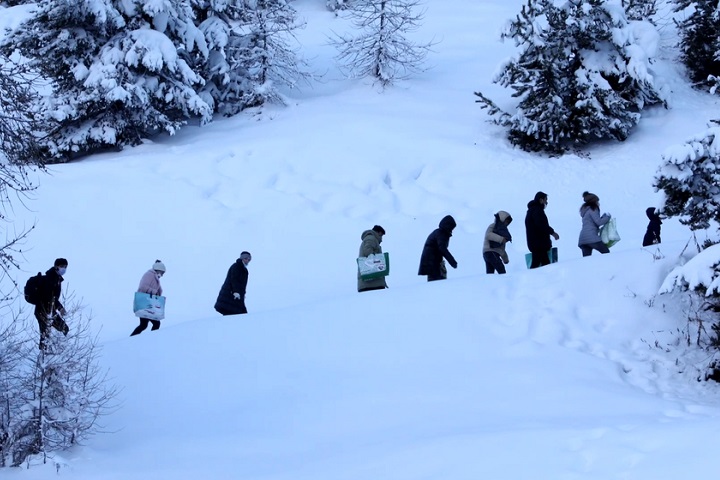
(447, 224)
(375, 234)
(502, 215)
(652, 214)
(535, 204)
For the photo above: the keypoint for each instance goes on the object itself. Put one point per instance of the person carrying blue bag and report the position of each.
(150, 284)
(538, 231)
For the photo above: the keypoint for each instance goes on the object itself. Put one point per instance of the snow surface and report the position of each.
(572, 371)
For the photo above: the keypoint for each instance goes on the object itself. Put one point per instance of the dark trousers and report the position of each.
(367, 289)
(588, 248)
(144, 324)
(539, 259)
(493, 263)
(45, 323)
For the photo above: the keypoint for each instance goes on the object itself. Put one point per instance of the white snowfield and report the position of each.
(575, 371)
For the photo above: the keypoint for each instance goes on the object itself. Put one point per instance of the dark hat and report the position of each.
(590, 197)
(540, 196)
(245, 255)
(379, 229)
(60, 262)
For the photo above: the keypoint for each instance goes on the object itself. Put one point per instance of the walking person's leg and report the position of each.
(600, 247)
(155, 324)
(143, 325)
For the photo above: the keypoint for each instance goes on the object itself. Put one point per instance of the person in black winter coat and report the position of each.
(539, 231)
(435, 249)
(652, 235)
(49, 311)
(231, 299)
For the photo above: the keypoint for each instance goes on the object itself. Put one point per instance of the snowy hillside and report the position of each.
(559, 372)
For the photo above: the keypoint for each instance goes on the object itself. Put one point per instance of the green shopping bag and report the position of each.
(375, 265)
(552, 255)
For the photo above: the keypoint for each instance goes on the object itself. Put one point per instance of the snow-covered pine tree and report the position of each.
(12, 353)
(335, 5)
(228, 86)
(118, 70)
(640, 9)
(381, 49)
(583, 74)
(700, 39)
(690, 178)
(62, 392)
(267, 55)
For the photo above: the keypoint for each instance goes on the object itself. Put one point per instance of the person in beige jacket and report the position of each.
(496, 236)
(371, 240)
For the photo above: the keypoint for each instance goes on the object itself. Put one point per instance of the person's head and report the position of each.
(447, 223)
(503, 217)
(591, 200)
(245, 257)
(60, 265)
(541, 198)
(159, 268)
(379, 229)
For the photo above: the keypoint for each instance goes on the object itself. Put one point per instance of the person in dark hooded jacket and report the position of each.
(436, 249)
(49, 312)
(231, 299)
(371, 240)
(539, 231)
(652, 235)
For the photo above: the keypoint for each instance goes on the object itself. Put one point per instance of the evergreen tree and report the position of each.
(228, 87)
(266, 53)
(60, 394)
(381, 49)
(700, 39)
(690, 179)
(118, 69)
(583, 74)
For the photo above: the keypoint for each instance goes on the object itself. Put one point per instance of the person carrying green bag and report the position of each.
(371, 240)
(592, 221)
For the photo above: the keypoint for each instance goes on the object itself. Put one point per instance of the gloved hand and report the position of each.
(454, 264)
(237, 296)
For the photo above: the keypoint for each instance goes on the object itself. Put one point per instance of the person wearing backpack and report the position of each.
(49, 311)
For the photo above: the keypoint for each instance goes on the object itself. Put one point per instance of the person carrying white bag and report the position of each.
(150, 285)
(592, 222)
(370, 245)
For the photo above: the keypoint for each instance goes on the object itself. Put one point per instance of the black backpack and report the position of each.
(32, 289)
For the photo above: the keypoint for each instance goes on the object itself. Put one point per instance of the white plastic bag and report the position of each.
(609, 234)
(374, 266)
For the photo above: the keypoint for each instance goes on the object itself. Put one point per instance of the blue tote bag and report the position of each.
(149, 306)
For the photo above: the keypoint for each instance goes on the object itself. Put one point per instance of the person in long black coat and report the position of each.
(539, 231)
(435, 249)
(652, 235)
(231, 299)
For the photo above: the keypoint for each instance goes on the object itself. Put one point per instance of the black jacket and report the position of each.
(49, 293)
(235, 282)
(537, 228)
(652, 235)
(436, 248)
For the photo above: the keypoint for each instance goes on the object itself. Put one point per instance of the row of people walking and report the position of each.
(539, 235)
